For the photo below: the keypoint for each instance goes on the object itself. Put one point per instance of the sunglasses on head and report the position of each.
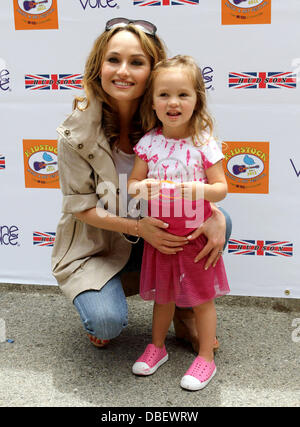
(145, 26)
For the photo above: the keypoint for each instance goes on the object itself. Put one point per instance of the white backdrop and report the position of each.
(260, 124)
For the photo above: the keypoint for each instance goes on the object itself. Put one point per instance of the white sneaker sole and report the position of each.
(141, 368)
(189, 382)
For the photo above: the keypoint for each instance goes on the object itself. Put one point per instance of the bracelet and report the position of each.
(128, 237)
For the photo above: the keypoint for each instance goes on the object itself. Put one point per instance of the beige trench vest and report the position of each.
(85, 257)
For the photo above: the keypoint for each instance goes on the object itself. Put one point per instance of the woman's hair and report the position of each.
(151, 45)
(201, 119)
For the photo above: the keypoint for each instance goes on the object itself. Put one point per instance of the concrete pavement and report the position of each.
(51, 362)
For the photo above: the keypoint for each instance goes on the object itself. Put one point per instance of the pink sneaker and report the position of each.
(152, 358)
(199, 374)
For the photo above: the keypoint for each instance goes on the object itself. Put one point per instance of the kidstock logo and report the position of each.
(9, 235)
(98, 4)
(164, 2)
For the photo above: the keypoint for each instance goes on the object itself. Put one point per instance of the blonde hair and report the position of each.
(151, 45)
(201, 120)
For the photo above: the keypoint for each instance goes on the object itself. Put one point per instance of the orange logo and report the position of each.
(40, 163)
(35, 15)
(238, 12)
(246, 167)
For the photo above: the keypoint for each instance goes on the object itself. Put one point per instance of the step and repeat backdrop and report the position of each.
(250, 58)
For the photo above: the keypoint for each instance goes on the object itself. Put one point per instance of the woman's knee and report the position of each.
(103, 313)
(107, 323)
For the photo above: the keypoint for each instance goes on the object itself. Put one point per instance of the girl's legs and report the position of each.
(184, 319)
(162, 318)
(206, 323)
(155, 354)
(203, 368)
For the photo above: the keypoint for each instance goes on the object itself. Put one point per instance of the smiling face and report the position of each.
(174, 101)
(125, 68)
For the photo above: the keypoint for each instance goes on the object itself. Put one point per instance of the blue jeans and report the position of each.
(104, 313)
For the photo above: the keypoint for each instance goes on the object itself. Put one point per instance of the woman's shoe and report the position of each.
(97, 342)
(199, 374)
(152, 358)
(185, 328)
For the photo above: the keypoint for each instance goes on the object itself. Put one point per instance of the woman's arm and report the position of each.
(150, 229)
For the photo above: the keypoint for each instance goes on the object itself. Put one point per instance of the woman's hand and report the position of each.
(153, 231)
(214, 229)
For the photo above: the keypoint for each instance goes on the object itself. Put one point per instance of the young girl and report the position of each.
(178, 169)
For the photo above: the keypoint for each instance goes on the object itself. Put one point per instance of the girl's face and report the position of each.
(174, 101)
(125, 69)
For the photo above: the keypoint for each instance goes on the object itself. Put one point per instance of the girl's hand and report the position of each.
(214, 229)
(192, 190)
(149, 188)
(153, 231)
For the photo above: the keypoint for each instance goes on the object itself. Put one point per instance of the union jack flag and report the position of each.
(2, 161)
(43, 239)
(262, 80)
(53, 81)
(163, 2)
(260, 247)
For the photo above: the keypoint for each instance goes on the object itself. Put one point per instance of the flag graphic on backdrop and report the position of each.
(2, 161)
(262, 80)
(43, 239)
(53, 81)
(260, 247)
(163, 2)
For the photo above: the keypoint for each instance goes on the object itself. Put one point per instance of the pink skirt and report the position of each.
(176, 278)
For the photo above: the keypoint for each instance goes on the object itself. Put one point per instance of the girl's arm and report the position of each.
(214, 191)
(214, 228)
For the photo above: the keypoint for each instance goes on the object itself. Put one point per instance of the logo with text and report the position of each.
(103, 4)
(237, 12)
(43, 238)
(262, 80)
(53, 81)
(4, 80)
(297, 172)
(260, 247)
(164, 2)
(40, 163)
(9, 235)
(35, 15)
(207, 74)
(246, 166)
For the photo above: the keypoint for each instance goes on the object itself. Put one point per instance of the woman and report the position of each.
(95, 146)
